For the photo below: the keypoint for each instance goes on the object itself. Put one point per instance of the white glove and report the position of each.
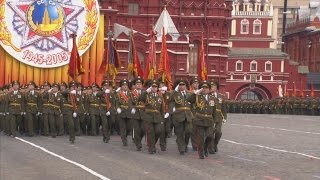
(177, 88)
(108, 113)
(148, 90)
(118, 110)
(166, 115)
(174, 109)
(38, 113)
(133, 111)
(74, 115)
(118, 89)
(164, 88)
(8, 113)
(224, 121)
(107, 91)
(1, 114)
(73, 92)
(197, 92)
(50, 90)
(22, 113)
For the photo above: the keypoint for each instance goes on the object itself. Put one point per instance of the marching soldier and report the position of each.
(124, 110)
(167, 126)
(94, 109)
(32, 109)
(204, 104)
(45, 108)
(182, 115)
(220, 116)
(137, 112)
(154, 115)
(55, 113)
(15, 108)
(194, 87)
(81, 99)
(107, 110)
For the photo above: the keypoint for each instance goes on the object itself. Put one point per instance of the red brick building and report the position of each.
(191, 19)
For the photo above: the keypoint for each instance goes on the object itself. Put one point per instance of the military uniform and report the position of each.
(44, 110)
(153, 116)
(81, 99)
(2, 111)
(32, 99)
(194, 86)
(203, 119)
(56, 101)
(182, 117)
(167, 126)
(94, 100)
(137, 114)
(124, 108)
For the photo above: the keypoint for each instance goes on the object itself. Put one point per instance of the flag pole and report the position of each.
(108, 53)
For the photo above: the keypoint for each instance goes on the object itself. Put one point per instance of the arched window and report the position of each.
(253, 65)
(257, 26)
(239, 65)
(268, 66)
(193, 57)
(244, 26)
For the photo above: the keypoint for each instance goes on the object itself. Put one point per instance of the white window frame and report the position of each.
(265, 66)
(254, 62)
(239, 61)
(257, 22)
(247, 23)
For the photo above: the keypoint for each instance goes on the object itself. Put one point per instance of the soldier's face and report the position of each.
(138, 85)
(94, 89)
(154, 89)
(62, 88)
(31, 87)
(15, 87)
(55, 89)
(72, 88)
(195, 85)
(205, 90)
(182, 87)
(124, 87)
(213, 88)
(46, 88)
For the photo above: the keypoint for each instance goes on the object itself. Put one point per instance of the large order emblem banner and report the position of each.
(37, 32)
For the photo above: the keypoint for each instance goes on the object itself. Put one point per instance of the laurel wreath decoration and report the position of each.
(91, 24)
(5, 35)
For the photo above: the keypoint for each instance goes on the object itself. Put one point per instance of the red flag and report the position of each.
(75, 63)
(134, 66)
(301, 89)
(164, 69)
(312, 89)
(150, 66)
(202, 65)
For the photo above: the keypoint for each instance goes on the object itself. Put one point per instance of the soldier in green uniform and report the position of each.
(94, 109)
(15, 108)
(55, 113)
(182, 115)
(203, 117)
(194, 87)
(154, 115)
(137, 112)
(167, 126)
(2, 112)
(124, 110)
(64, 90)
(32, 99)
(81, 99)
(220, 116)
(44, 108)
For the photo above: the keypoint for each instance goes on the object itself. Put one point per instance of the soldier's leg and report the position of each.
(45, 122)
(194, 138)
(20, 125)
(81, 119)
(179, 131)
(123, 130)
(93, 125)
(71, 128)
(209, 136)
(158, 129)
(111, 120)
(217, 135)
(150, 137)
(7, 124)
(199, 137)
(187, 134)
(29, 118)
(163, 137)
(129, 126)
(1, 123)
(60, 124)
(105, 127)
(137, 133)
(77, 125)
(13, 125)
(52, 124)
(36, 124)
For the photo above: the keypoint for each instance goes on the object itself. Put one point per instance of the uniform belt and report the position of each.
(47, 104)
(152, 110)
(96, 105)
(183, 108)
(54, 106)
(104, 105)
(32, 104)
(139, 107)
(68, 105)
(204, 115)
(219, 110)
(15, 104)
(124, 107)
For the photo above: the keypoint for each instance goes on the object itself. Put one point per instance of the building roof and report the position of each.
(167, 23)
(303, 69)
(256, 52)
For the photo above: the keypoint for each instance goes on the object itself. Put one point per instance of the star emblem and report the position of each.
(30, 34)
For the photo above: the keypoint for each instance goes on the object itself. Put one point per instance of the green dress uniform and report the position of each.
(153, 117)
(167, 126)
(55, 114)
(69, 112)
(94, 111)
(137, 122)
(2, 112)
(81, 99)
(44, 110)
(203, 121)
(107, 104)
(32, 99)
(182, 119)
(220, 114)
(15, 108)
(124, 104)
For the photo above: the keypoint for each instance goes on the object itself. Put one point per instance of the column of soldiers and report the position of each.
(286, 105)
(141, 109)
